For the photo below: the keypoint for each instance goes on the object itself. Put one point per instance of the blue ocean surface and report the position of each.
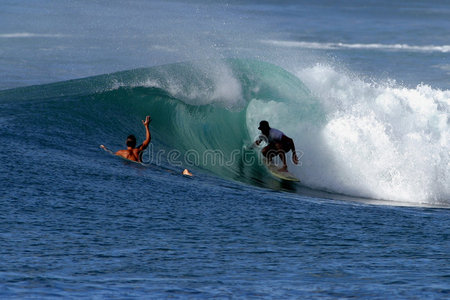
(362, 87)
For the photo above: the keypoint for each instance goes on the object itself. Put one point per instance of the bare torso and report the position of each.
(131, 154)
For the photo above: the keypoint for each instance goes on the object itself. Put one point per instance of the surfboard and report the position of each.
(273, 169)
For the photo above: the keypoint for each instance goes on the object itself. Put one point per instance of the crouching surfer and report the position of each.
(132, 152)
(278, 144)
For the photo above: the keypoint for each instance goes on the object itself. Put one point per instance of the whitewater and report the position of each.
(362, 88)
(386, 141)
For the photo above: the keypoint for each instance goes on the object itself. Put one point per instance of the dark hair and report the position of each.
(263, 125)
(131, 141)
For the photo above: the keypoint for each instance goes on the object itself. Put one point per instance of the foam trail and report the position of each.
(31, 35)
(334, 46)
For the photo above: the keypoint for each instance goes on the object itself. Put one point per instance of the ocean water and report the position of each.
(361, 86)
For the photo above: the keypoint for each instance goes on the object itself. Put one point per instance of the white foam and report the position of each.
(387, 140)
(31, 35)
(381, 141)
(334, 46)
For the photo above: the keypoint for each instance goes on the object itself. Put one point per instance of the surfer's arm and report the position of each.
(148, 136)
(106, 149)
(285, 140)
(259, 140)
(123, 153)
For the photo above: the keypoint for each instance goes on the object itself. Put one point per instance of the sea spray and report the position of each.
(382, 140)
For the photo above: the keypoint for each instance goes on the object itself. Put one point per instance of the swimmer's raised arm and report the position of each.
(148, 136)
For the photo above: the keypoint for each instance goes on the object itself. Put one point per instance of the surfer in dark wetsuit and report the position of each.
(278, 144)
(132, 152)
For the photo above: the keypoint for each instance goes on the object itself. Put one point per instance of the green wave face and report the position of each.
(204, 113)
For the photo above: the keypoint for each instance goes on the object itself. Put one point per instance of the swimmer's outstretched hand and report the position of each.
(147, 121)
(106, 149)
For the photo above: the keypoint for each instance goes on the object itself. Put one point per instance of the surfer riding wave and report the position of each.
(278, 144)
